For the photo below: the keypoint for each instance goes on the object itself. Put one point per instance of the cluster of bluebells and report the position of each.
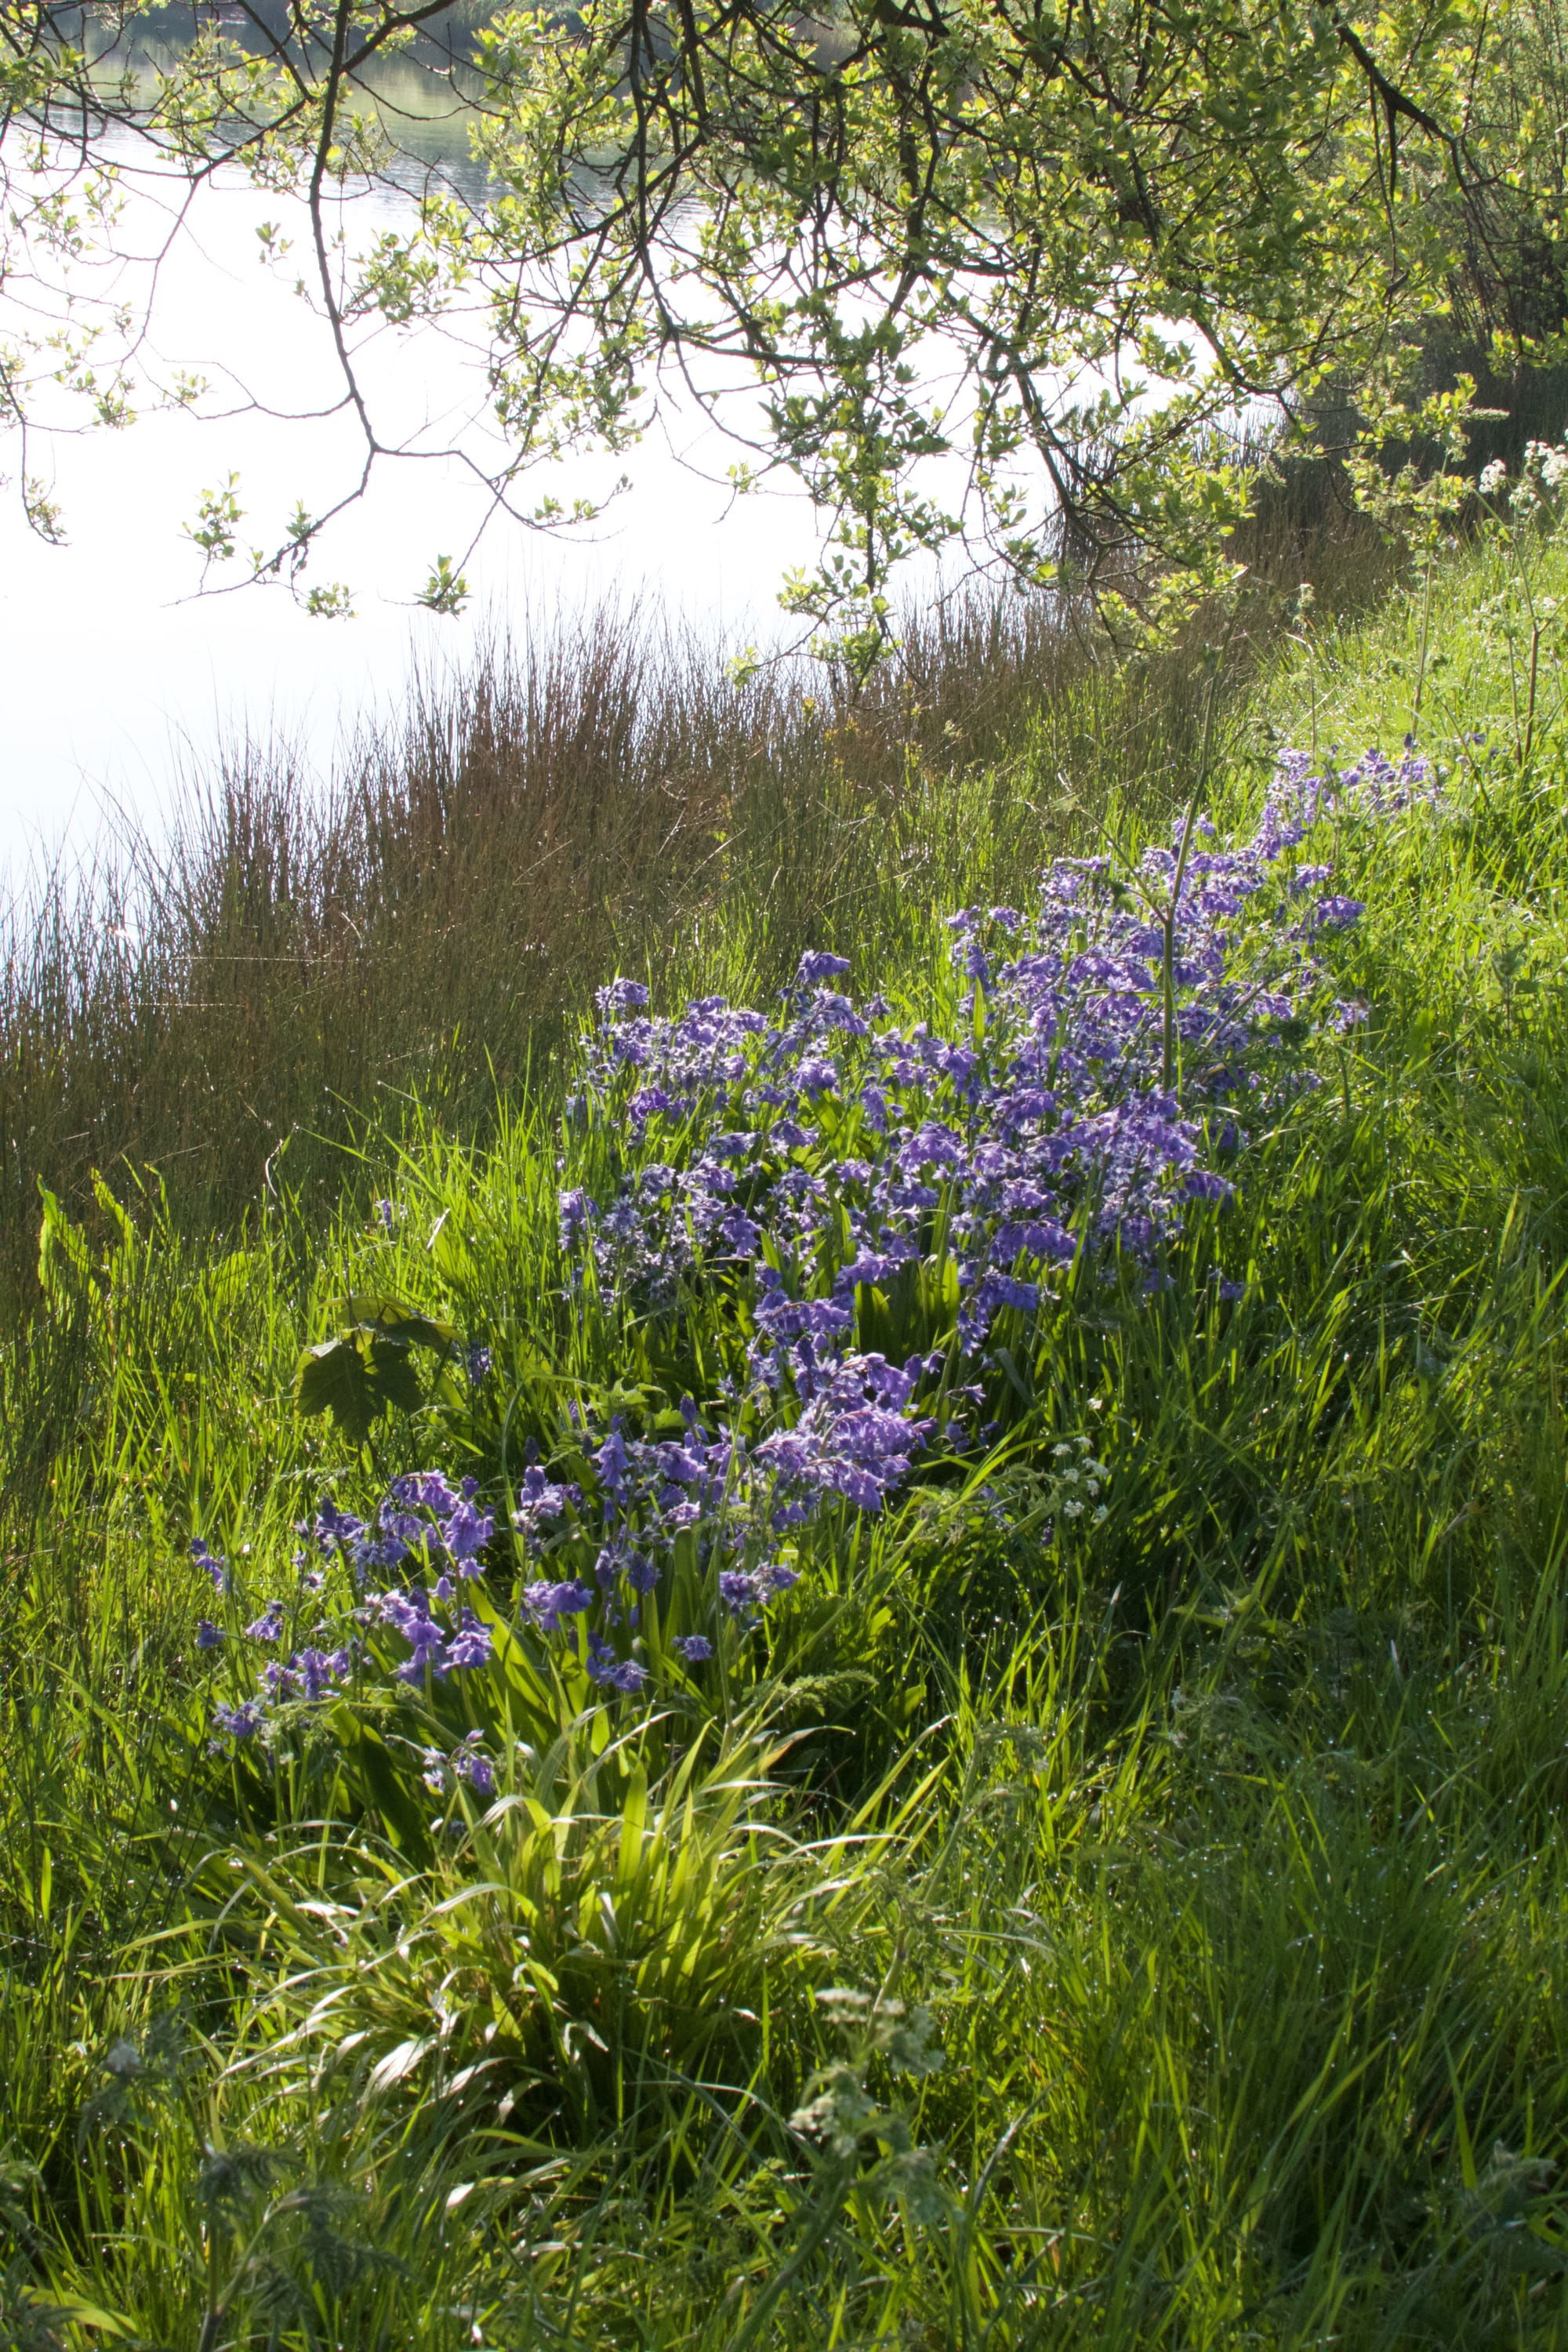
(608, 1541)
(467, 1762)
(1105, 1051)
(1091, 1086)
(407, 1565)
(735, 1504)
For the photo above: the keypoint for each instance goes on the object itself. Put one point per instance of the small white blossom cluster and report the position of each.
(1079, 1481)
(1545, 467)
(1549, 462)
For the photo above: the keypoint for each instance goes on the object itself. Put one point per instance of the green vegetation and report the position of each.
(230, 1001)
(1157, 1934)
(996, 276)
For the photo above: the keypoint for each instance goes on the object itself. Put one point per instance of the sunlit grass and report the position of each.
(1222, 1851)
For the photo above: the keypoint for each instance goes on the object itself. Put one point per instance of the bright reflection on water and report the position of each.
(120, 680)
(117, 677)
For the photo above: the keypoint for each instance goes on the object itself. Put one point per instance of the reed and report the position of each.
(292, 956)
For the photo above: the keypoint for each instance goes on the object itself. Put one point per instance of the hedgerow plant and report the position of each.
(843, 1230)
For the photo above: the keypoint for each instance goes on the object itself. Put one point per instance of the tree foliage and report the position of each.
(1059, 248)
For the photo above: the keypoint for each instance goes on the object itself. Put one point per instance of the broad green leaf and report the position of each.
(356, 1383)
(393, 1381)
(383, 1318)
(334, 1377)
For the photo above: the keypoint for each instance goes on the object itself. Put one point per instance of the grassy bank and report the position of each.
(1029, 1926)
(240, 997)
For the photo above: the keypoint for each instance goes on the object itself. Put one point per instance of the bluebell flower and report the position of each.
(473, 1643)
(574, 1210)
(621, 997)
(623, 1674)
(426, 1640)
(308, 1675)
(471, 1763)
(335, 1530)
(1334, 914)
(641, 1572)
(540, 1499)
(242, 1722)
(214, 1562)
(611, 1461)
(208, 1635)
(465, 1535)
(548, 1603)
(817, 965)
(420, 1490)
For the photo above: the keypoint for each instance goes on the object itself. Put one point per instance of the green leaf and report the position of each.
(89, 2314)
(356, 1383)
(393, 1379)
(401, 1820)
(383, 1318)
(64, 1263)
(335, 1377)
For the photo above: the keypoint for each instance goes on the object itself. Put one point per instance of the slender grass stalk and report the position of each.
(1424, 639)
(1170, 1054)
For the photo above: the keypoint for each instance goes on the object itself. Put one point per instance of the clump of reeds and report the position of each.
(217, 1003)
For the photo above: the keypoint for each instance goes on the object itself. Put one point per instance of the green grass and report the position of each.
(230, 1004)
(1220, 1857)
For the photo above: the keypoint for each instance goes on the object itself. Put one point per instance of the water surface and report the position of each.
(119, 674)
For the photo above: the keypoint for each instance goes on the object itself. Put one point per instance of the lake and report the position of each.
(119, 678)
(122, 680)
